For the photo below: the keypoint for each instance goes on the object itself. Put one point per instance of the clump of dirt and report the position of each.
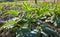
(7, 34)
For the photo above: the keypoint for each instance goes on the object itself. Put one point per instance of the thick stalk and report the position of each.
(35, 1)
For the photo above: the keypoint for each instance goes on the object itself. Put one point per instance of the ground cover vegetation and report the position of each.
(29, 19)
